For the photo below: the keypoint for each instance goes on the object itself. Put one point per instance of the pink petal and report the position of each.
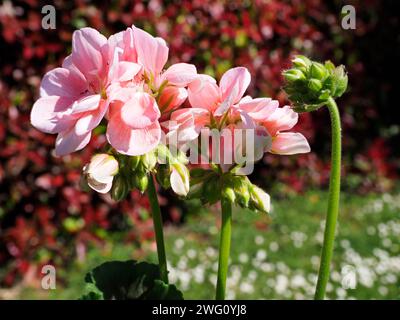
(204, 93)
(180, 74)
(227, 103)
(62, 82)
(124, 41)
(140, 111)
(237, 80)
(50, 114)
(282, 119)
(87, 52)
(127, 70)
(68, 64)
(99, 186)
(171, 98)
(259, 109)
(68, 141)
(130, 141)
(152, 53)
(186, 124)
(102, 168)
(129, 53)
(288, 143)
(88, 103)
(88, 121)
(116, 92)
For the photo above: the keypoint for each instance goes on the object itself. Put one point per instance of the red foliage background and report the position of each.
(44, 215)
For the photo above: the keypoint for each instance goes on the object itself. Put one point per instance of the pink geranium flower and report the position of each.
(74, 98)
(134, 114)
(120, 78)
(223, 107)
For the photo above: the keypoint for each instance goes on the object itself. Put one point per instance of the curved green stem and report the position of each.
(333, 202)
(224, 248)
(158, 228)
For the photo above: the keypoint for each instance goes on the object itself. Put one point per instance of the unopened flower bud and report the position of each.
(294, 75)
(141, 181)
(301, 62)
(149, 160)
(163, 176)
(319, 83)
(228, 193)
(241, 188)
(180, 179)
(100, 172)
(119, 189)
(163, 154)
(135, 160)
(340, 81)
(315, 85)
(318, 71)
(260, 200)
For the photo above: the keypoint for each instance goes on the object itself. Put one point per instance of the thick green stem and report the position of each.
(158, 228)
(333, 202)
(224, 248)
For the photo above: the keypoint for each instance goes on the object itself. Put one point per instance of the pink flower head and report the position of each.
(74, 98)
(120, 78)
(223, 107)
(138, 104)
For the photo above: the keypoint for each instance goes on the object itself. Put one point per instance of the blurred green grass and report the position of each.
(272, 257)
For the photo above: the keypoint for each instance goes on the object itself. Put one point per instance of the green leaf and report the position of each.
(128, 280)
(163, 291)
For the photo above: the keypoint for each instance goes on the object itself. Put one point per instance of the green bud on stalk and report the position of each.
(135, 161)
(310, 84)
(119, 188)
(229, 194)
(141, 181)
(301, 62)
(163, 176)
(260, 200)
(294, 75)
(241, 188)
(149, 161)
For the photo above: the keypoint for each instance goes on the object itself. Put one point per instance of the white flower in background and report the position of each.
(100, 172)
(349, 277)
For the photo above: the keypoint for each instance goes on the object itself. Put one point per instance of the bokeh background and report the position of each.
(45, 217)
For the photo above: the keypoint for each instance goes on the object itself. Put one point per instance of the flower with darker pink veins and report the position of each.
(75, 98)
(139, 104)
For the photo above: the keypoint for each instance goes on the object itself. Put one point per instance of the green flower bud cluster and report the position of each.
(310, 84)
(134, 171)
(133, 174)
(210, 186)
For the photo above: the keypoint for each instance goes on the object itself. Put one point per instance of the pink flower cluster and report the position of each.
(122, 79)
(223, 107)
